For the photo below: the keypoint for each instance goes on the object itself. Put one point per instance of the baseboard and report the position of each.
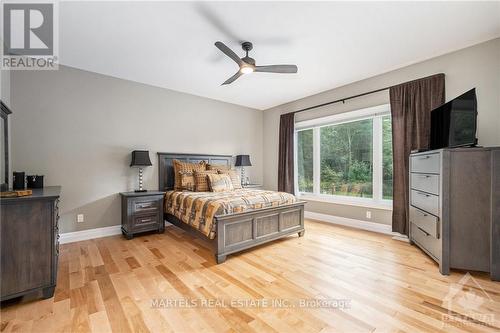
(358, 224)
(70, 237)
(75, 236)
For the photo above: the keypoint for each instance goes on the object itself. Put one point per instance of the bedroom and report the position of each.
(155, 85)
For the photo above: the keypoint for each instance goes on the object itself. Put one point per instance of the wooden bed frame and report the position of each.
(239, 231)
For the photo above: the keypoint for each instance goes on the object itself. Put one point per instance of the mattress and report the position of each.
(198, 209)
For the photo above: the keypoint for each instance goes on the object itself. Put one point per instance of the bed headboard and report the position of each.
(166, 168)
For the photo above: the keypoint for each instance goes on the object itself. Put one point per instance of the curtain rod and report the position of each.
(359, 95)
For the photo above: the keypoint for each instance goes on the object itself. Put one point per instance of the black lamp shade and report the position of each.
(140, 158)
(242, 160)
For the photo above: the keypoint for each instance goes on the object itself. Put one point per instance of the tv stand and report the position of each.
(455, 207)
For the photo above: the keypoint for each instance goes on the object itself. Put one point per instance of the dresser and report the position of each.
(29, 243)
(142, 211)
(454, 207)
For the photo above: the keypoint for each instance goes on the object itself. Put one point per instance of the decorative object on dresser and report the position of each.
(238, 231)
(242, 161)
(4, 146)
(454, 207)
(18, 181)
(140, 158)
(142, 211)
(35, 181)
(15, 193)
(29, 243)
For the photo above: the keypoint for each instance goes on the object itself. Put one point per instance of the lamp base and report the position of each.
(140, 191)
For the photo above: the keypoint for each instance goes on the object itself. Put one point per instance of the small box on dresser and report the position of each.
(454, 198)
(142, 211)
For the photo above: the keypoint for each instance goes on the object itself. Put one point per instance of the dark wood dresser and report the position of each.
(30, 246)
(142, 211)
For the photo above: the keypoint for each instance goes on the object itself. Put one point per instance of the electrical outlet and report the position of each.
(80, 218)
(368, 214)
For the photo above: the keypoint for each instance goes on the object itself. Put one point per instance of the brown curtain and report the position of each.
(411, 105)
(285, 155)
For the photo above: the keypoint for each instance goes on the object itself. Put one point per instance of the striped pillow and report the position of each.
(200, 180)
(235, 178)
(185, 167)
(220, 182)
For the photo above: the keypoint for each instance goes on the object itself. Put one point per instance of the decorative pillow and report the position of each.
(220, 182)
(200, 180)
(187, 181)
(235, 178)
(185, 167)
(218, 167)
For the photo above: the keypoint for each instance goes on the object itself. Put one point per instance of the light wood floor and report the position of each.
(109, 284)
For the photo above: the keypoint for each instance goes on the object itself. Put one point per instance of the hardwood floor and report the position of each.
(111, 284)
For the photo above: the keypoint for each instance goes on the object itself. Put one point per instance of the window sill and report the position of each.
(359, 202)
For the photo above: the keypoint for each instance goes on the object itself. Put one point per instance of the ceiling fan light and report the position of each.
(246, 69)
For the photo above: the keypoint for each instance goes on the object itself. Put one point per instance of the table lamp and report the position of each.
(242, 161)
(140, 159)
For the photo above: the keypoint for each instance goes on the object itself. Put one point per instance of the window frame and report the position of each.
(375, 113)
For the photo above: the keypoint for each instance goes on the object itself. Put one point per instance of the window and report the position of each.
(387, 158)
(346, 156)
(305, 160)
(346, 159)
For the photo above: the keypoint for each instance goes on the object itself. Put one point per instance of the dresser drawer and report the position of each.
(425, 201)
(429, 223)
(141, 206)
(426, 163)
(146, 222)
(426, 241)
(425, 182)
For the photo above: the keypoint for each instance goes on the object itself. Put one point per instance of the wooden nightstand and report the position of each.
(142, 211)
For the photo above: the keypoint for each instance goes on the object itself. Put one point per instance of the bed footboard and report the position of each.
(241, 231)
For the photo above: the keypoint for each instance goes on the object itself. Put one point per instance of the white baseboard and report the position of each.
(70, 237)
(359, 224)
(75, 236)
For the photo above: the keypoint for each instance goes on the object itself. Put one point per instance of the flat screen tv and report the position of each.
(453, 124)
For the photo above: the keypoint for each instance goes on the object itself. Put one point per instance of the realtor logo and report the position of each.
(464, 300)
(29, 35)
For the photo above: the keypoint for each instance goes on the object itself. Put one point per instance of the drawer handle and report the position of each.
(425, 176)
(146, 220)
(142, 206)
(424, 157)
(424, 194)
(425, 232)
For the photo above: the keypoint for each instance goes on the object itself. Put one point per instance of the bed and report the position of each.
(238, 220)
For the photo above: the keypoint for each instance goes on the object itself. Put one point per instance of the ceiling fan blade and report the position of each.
(227, 51)
(232, 78)
(206, 11)
(277, 69)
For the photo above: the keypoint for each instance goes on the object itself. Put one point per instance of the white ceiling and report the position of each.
(171, 44)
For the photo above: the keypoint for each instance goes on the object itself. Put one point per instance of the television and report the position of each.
(453, 124)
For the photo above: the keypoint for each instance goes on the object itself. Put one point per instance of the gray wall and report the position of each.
(78, 128)
(477, 66)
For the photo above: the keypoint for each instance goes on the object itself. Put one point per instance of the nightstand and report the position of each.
(142, 211)
(253, 186)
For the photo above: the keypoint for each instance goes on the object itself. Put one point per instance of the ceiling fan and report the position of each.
(247, 64)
